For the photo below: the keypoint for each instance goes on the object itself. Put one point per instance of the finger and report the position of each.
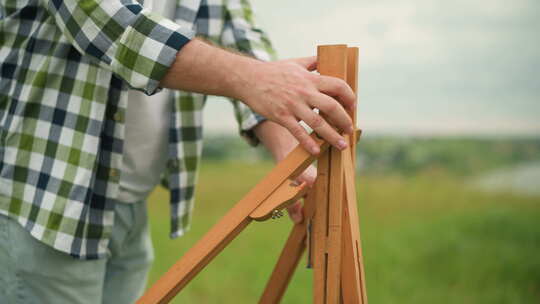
(301, 135)
(295, 212)
(321, 127)
(338, 89)
(310, 63)
(334, 112)
(308, 176)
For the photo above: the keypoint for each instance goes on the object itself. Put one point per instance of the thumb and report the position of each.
(295, 212)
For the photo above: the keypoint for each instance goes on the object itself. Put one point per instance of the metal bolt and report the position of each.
(276, 214)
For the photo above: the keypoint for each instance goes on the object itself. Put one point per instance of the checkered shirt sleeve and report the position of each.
(242, 34)
(134, 43)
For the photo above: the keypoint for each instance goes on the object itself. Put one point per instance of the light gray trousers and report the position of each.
(32, 272)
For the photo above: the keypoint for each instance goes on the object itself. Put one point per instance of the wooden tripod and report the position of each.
(330, 228)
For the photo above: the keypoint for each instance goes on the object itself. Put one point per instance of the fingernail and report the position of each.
(315, 150)
(342, 144)
(351, 130)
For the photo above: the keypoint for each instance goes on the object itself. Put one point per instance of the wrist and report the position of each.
(243, 77)
(277, 140)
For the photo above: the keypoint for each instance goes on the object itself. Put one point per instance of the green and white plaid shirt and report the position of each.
(65, 68)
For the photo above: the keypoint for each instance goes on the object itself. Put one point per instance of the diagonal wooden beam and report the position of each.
(227, 228)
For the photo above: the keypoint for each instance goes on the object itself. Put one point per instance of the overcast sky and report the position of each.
(426, 67)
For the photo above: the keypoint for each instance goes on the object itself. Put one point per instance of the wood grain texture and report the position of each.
(353, 278)
(335, 230)
(351, 274)
(350, 192)
(319, 228)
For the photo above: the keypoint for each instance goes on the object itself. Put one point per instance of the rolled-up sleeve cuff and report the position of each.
(247, 126)
(147, 49)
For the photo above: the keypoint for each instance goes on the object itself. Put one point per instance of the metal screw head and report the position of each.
(276, 214)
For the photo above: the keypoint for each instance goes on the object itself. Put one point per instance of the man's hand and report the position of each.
(280, 142)
(283, 91)
(286, 92)
(296, 210)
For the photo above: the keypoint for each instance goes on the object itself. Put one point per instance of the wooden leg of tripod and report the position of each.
(290, 256)
(319, 225)
(353, 280)
(332, 61)
(335, 216)
(327, 228)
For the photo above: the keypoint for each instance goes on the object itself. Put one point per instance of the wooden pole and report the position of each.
(320, 222)
(331, 61)
(353, 280)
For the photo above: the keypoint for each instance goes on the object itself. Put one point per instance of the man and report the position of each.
(72, 172)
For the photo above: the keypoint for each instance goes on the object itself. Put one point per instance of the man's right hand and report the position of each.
(286, 92)
(282, 91)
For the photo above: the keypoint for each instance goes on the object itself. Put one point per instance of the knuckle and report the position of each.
(346, 91)
(319, 79)
(304, 93)
(344, 123)
(299, 72)
(340, 84)
(280, 120)
(314, 78)
(290, 103)
(317, 122)
(281, 112)
(340, 87)
(330, 81)
(331, 107)
(297, 131)
(294, 71)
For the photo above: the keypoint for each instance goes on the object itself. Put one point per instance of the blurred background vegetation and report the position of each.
(443, 220)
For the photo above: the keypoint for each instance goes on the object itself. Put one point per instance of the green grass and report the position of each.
(426, 239)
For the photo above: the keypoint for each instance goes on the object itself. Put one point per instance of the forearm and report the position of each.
(203, 68)
(277, 140)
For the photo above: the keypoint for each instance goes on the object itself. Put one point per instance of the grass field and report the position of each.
(430, 238)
